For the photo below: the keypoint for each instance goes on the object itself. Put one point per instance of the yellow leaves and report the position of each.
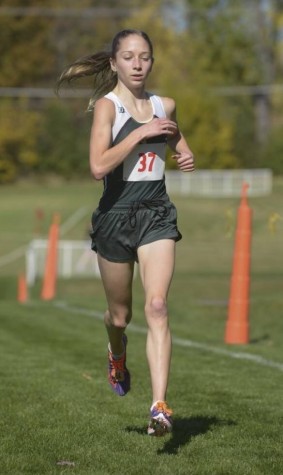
(209, 134)
(26, 55)
(18, 139)
(273, 220)
(28, 158)
(7, 170)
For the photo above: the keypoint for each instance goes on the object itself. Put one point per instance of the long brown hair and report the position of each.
(98, 66)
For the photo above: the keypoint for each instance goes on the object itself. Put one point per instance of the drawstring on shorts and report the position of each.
(155, 205)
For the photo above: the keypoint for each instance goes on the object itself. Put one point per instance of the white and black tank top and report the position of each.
(141, 175)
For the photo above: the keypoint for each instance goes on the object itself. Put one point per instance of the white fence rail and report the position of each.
(75, 259)
(219, 183)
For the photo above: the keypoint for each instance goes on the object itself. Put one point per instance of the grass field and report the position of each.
(58, 414)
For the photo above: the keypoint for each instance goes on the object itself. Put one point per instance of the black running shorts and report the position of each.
(119, 232)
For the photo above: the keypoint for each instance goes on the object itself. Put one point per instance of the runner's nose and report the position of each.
(137, 63)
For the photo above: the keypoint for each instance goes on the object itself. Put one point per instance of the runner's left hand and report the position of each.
(185, 161)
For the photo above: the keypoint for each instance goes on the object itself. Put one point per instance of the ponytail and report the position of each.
(96, 65)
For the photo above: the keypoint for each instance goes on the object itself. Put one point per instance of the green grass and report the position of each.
(55, 404)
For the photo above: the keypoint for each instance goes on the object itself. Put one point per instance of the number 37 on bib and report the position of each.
(145, 165)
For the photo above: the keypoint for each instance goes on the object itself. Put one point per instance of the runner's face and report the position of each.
(133, 61)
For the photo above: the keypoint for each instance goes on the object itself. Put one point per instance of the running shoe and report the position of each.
(160, 419)
(118, 374)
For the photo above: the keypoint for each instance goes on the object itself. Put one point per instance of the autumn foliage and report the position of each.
(201, 49)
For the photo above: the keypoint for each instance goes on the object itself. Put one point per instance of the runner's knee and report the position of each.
(156, 308)
(119, 317)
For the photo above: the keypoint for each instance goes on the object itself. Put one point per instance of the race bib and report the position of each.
(145, 163)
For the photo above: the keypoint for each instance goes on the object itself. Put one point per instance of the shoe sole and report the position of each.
(158, 428)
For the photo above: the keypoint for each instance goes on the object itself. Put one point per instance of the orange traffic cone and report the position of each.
(50, 273)
(237, 326)
(22, 289)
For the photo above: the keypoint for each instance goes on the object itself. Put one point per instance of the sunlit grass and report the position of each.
(58, 414)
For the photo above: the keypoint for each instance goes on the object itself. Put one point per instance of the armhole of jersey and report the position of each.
(158, 106)
(112, 97)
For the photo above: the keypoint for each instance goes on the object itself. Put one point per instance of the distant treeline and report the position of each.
(221, 64)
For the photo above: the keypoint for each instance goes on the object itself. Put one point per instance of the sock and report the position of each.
(115, 357)
(159, 400)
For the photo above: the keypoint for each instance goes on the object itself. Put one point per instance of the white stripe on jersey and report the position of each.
(122, 115)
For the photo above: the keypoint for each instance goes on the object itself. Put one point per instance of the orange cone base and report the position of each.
(48, 295)
(237, 333)
(22, 289)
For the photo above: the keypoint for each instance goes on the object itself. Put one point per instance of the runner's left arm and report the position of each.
(183, 154)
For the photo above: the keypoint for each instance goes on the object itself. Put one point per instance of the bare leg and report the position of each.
(157, 261)
(117, 281)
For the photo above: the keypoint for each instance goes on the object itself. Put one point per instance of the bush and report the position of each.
(64, 141)
(271, 155)
(18, 140)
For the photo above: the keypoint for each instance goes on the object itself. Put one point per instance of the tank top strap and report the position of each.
(157, 105)
(112, 96)
(121, 114)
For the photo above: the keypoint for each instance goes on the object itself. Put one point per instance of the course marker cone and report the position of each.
(22, 289)
(50, 272)
(237, 325)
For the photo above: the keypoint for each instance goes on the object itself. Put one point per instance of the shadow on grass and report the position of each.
(184, 429)
(260, 339)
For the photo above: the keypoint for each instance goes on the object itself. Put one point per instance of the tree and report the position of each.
(18, 140)
(205, 52)
(241, 41)
(26, 50)
(176, 71)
